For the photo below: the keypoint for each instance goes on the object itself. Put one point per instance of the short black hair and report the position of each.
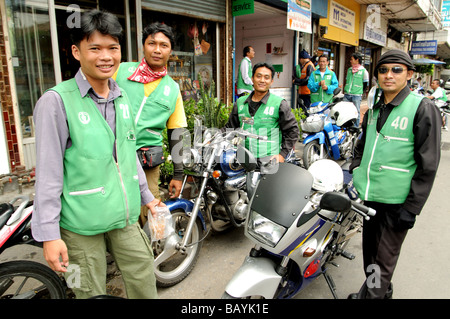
(357, 56)
(263, 65)
(157, 27)
(246, 50)
(95, 20)
(323, 56)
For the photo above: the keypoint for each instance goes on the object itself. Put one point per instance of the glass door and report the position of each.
(32, 57)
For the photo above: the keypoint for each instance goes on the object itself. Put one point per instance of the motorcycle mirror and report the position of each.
(246, 159)
(371, 97)
(337, 91)
(337, 202)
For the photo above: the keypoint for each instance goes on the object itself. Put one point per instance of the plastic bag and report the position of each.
(160, 226)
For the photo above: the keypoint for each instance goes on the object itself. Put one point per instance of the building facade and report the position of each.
(36, 55)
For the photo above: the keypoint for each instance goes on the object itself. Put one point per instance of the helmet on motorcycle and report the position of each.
(327, 174)
(344, 113)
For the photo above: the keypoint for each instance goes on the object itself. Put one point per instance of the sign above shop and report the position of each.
(424, 47)
(299, 16)
(374, 35)
(243, 7)
(445, 14)
(341, 17)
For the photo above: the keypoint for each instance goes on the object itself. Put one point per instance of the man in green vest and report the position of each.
(322, 82)
(156, 103)
(439, 96)
(393, 168)
(244, 82)
(272, 117)
(356, 82)
(89, 185)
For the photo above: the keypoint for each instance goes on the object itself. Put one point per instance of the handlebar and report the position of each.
(363, 210)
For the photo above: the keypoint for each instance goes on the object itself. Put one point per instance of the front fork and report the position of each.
(182, 246)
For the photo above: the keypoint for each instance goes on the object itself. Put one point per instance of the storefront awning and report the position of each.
(426, 61)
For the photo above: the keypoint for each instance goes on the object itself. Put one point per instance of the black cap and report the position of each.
(395, 56)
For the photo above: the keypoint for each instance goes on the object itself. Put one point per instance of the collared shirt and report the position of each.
(52, 139)
(244, 73)
(427, 136)
(288, 123)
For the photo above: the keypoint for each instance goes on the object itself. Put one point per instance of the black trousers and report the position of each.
(306, 102)
(381, 243)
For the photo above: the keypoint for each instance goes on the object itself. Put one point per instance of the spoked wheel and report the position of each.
(311, 153)
(29, 280)
(171, 264)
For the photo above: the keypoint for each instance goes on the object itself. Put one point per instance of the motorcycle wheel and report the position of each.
(311, 153)
(178, 266)
(226, 295)
(29, 280)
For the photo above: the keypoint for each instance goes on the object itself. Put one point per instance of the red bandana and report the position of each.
(144, 74)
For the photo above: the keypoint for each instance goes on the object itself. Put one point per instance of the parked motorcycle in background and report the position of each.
(24, 279)
(219, 169)
(330, 131)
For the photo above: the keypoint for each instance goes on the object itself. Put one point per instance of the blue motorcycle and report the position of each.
(330, 131)
(218, 170)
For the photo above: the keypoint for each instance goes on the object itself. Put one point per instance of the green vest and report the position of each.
(354, 82)
(265, 124)
(444, 94)
(240, 83)
(320, 95)
(388, 166)
(152, 112)
(99, 194)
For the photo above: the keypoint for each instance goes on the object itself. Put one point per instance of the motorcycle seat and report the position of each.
(6, 210)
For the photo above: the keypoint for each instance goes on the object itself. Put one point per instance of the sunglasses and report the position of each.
(395, 69)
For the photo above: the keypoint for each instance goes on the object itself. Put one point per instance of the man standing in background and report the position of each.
(356, 82)
(301, 78)
(244, 82)
(157, 104)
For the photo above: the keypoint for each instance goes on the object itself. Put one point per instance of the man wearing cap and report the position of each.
(301, 78)
(356, 82)
(393, 169)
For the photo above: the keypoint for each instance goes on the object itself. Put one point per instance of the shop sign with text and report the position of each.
(242, 7)
(299, 16)
(341, 17)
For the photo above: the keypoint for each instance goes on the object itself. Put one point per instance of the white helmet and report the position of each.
(344, 113)
(327, 174)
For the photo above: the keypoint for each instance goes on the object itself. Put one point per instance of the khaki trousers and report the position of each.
(131, 251)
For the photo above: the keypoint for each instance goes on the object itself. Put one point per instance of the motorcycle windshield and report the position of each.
(282, 196)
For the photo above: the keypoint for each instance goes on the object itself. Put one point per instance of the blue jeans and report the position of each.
(355, 99)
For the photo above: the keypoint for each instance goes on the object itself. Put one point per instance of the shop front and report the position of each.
(266, 31)
(338, 35)
(38, 52)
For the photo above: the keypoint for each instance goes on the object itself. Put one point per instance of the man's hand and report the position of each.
(153, 204)
(279, 158)
(53, 250)
(175, 184)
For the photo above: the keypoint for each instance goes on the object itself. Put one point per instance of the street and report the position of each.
(421, 271)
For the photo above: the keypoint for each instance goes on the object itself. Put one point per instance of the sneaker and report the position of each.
(445, 128)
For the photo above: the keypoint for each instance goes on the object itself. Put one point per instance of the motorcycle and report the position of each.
(23, 279)
(220, 168)
(300, 221)
(329, 130)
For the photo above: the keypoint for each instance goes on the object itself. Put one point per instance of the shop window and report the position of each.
(32, 57)
(194, 52)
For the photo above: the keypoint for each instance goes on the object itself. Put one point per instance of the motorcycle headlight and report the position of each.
(265, 230)
(190, 158)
